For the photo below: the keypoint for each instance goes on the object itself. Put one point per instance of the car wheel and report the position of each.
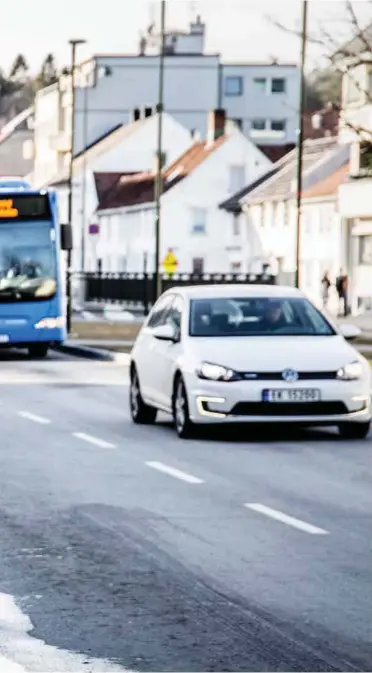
(181, 417)
(354, 430)
(141, 413)
(38, 351)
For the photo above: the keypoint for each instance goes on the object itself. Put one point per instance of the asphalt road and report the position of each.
(125, 548)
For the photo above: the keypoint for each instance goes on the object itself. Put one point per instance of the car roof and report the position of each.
(235, 290)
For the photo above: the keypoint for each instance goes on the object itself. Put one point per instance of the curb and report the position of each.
(94, 354)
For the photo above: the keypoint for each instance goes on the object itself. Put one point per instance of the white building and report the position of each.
(270, 215)
(355, 202)
(203, 237)
(129, 149)
(115, 89)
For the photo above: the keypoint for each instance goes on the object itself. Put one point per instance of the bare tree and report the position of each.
(342, 59)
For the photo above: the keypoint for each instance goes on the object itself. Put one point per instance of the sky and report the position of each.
(239, 29)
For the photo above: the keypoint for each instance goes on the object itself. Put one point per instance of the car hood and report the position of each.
(266, 354)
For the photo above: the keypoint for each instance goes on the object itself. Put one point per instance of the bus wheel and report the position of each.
(38, 351)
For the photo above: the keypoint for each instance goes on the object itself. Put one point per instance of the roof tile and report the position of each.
(131, 190)
(328, 186)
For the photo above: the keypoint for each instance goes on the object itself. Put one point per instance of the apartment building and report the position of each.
(113, 89)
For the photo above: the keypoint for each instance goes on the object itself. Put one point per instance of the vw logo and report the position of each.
(289, 375)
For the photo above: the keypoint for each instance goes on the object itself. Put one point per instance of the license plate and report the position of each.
(291, 395)
(4, 338)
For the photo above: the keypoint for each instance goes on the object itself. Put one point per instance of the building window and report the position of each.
(237, 178)
(365, 157)
(365, 250)
(198, 266)
(259, 124)
(236, 225)
(260, 84)
(199, 221)
(238, 123)
(235, 267)
(278, 85)
(122, 264)
(277, 125)
(233, 86)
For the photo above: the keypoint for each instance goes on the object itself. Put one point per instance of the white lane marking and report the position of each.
(94, 440)
(173, 472)
(21, 652)
(34, 418)
(284, 518)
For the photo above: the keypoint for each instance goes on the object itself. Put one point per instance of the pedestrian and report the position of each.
(342, 283)
(326, 285)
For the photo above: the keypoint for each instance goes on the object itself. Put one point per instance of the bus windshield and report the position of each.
(27, 261)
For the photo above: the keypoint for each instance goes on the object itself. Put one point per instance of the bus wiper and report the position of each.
(12, 292)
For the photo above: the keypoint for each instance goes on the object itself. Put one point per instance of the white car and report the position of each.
(247, 354)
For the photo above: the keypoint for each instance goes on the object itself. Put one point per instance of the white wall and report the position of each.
(190, 91)
(46, 127)
(222, 245)
(322, 239)
(255, 103)
(321, 247)
(193, 85)
(135, 153)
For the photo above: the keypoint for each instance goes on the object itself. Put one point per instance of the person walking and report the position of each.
(326, 285)
(342, 283)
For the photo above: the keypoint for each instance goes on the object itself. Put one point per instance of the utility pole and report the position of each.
(73, 44)
(159, 166)
(84, 181)
(300, 140)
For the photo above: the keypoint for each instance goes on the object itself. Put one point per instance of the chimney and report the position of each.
(216, 125)
(136, 114)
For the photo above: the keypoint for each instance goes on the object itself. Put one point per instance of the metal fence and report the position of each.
(139, 289)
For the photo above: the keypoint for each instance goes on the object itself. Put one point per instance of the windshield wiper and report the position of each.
(12, 292)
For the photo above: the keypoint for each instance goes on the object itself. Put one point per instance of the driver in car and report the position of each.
(273, 317)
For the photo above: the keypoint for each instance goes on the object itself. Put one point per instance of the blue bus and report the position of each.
(32, 305)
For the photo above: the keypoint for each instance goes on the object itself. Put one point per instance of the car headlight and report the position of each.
(350, 372)
(213, 372)
(50, 323)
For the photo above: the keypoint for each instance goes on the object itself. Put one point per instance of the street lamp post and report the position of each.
(300, 141)
(158, 179)
(73, 44)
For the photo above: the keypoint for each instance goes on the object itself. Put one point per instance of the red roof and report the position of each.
(276, 152)
(328, 186)
(132, 190)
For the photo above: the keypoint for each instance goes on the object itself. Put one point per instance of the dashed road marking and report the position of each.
(34, 418)
(284, 518)
(94, 440)
(173, 472)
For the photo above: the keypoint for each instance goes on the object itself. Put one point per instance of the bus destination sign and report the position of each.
(7, 209)
(24, 207)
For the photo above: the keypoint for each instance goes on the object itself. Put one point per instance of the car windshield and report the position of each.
(256, 316)
(27, 262)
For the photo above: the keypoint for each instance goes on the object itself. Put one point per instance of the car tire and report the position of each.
(38, 351)
(181, 418)
(354, 430)
(141, 413)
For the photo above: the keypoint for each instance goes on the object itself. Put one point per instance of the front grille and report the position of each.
(289, 409)
(277, 376)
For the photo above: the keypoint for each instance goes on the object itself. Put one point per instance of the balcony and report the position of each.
(60, 142)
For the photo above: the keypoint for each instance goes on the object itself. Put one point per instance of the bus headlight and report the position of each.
(50, 323)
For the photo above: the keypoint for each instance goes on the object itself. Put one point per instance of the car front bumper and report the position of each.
(241, 402)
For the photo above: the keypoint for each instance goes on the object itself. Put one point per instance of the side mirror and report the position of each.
(350, 332)
(164, 333)
(66, 237)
